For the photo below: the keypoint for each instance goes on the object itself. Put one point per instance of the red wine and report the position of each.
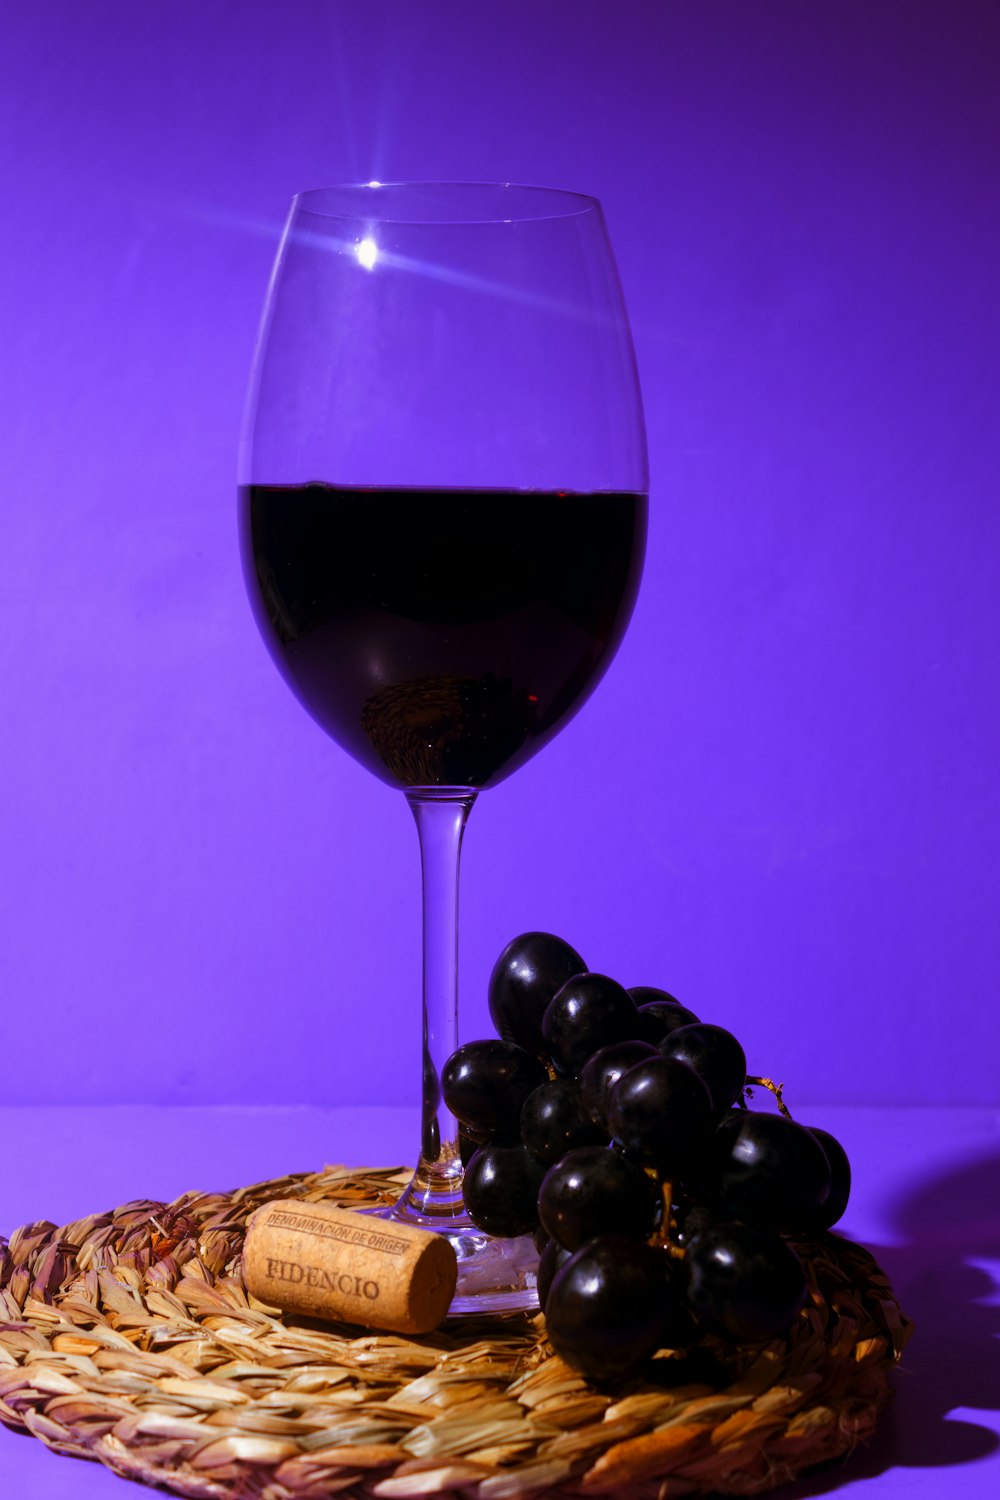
(441, 636)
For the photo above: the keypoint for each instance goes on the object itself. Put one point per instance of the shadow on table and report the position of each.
(953, 1358)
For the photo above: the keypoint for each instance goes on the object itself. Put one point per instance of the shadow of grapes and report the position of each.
(946, 1225)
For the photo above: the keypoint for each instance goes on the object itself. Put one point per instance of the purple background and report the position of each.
(782, 801)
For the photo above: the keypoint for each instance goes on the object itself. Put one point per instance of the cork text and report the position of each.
(343, 1282)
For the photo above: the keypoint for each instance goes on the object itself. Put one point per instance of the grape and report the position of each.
(484, 1084)
(601, 1072)
(608, 1306)
(552, 1258)
(593, 1191)
(525, 977)
(681, 1329)
(767, 1170)
(553, 1121)
(589, 1011)
(745, 1283)
(661, 1111)
(647, 994)
(500, 1188)
(430, 1139)
(840, 1181)
(431, 1085)
(657, 1021)
(716, 1057)
(692, 1219)
(659, 1013)
(469, 1142)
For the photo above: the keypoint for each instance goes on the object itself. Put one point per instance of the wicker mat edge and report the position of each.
(129, 1338)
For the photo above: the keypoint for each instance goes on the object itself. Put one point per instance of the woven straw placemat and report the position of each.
(129, 1337)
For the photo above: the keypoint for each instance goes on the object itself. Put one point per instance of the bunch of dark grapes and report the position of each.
(613, 1125)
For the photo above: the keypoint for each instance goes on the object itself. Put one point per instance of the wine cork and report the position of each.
(334, 1263)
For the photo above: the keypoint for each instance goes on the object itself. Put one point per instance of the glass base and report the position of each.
(494, 1275)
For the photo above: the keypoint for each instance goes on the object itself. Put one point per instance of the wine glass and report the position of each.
(442, 519)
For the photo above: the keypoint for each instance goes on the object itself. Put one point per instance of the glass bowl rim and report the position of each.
(551, 203)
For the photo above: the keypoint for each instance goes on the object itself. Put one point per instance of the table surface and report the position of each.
(926, 1201)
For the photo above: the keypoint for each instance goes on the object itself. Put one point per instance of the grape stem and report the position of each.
(663, 1238)
(774, 1088)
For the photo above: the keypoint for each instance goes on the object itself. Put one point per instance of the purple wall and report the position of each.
(781, 803)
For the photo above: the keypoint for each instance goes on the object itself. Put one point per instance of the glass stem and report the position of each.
(440, 814)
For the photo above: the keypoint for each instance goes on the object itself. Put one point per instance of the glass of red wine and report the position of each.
(442, 519)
